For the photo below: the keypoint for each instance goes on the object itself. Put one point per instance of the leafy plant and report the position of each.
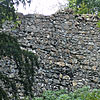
(52, 95)
(64, 97)
(25, 61)
(85, 6)
(84, 93)
(98, 24)
(7, 10)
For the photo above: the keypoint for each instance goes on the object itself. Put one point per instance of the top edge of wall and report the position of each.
(65, 11)
(61, 12)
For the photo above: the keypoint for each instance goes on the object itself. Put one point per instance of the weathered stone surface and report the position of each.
(68, 47)
(60, 63)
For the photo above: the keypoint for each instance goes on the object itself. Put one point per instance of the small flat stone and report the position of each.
(60, 63)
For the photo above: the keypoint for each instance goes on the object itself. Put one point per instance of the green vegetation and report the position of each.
(25, 62)
(52, 95)
(84, 93)
(7, 10)
(85, 6)
(98, 23)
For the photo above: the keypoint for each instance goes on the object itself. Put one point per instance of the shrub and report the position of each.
(84, 93)
(64, 97)
(52, 95)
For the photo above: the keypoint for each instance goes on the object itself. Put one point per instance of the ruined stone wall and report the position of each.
(68, 47)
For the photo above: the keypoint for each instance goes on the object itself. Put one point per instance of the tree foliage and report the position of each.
(7, 10)
(85, 6)
(25, 62)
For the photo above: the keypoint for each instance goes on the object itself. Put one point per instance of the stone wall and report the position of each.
(68, 47)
